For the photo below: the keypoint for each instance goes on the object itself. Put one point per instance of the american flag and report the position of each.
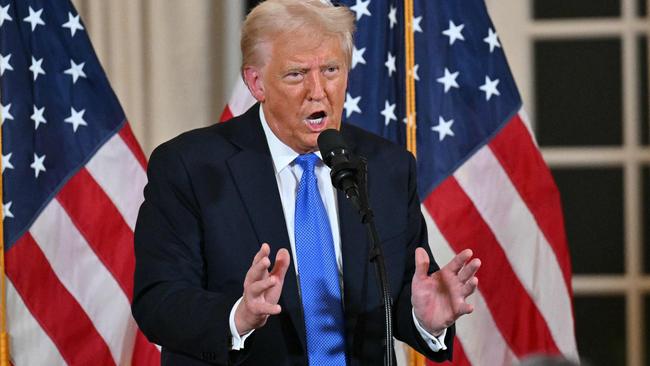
(73, 178)
(481, 177)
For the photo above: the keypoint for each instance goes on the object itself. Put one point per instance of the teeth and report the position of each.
(315, 121)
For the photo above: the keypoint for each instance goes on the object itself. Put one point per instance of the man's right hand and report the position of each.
(262, 290)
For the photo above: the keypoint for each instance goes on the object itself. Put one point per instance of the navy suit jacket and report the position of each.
(212, 199)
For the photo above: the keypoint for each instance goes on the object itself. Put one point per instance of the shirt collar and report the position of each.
(281, 154)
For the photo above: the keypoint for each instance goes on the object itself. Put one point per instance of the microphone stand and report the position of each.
(359, 197)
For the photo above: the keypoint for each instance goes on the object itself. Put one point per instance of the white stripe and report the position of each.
(241, 99)
(86, 278)
(527, 250)
(121, 176)
(526, 120)
(481, 339)
(29, 344)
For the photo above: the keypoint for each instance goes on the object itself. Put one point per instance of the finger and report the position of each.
(469, 270)
(263, 252)
(465, 308)
(459, 260)
(267, 309)
(258, 270)
(282, 261)
(469, 287)
(257, 288)
(421, 263)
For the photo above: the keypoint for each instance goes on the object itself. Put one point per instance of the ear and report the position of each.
(253, 79)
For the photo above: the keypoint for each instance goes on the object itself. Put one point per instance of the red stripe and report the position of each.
(129, 139)
(516, 151)
(514, 312)
(101, 224)
(58, 313)
(226, 115)
(144, 353)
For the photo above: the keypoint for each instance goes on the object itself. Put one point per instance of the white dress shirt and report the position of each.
(287, 175)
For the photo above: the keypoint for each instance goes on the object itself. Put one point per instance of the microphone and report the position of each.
(337, 156)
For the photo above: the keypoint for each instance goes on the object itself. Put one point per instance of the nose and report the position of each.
(315, 86)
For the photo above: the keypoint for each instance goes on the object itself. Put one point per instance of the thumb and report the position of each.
(421, 264)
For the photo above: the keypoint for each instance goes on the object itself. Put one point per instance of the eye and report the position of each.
(331, 70)
(293, 76)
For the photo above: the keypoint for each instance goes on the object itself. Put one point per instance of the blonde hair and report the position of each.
(274, 18)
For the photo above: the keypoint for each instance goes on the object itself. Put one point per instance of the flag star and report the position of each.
(361, 8)
(415, 72)
(4, 14)
(6, 112)
(389, 113)
(75, 71)
(37, 117)
(37, 165)
(34, 18)
(73, 24)
(37, 67)
(6, 210)
(443, 128)
(490, 87)
(6, 162)
(4, 64)
(357, 56)
(390, 64)
(392, 16)
(454, 32)
(416, 24)
(76, 119)
(406, 120)
(492, 40)
(449, 80)
(351, 105)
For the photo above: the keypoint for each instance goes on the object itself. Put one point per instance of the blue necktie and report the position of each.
(317, 271)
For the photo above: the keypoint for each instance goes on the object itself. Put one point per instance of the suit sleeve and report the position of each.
(405, 329)
(170, 303)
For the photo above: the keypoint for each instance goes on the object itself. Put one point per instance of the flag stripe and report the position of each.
(498, 202)
(27, 335)
(478, 332)
(83, 274)
(144, 353)
(126, 133)
(459, 222)
(58, 313)
(241, 98)
(126, 194)
(517, 153)
(226, 114)
(87, 204)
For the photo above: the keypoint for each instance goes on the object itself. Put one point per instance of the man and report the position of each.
(228, 268)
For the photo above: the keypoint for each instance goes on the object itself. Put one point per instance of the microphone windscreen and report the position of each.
(330, 142)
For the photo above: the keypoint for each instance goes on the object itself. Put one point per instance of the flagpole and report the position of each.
(414, 358)
(411, 127)
(4, 337)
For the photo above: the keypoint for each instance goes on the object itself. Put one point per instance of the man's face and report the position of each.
(301, 87)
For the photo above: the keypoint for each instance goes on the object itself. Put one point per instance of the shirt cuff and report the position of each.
(435, 343)
(237, 341)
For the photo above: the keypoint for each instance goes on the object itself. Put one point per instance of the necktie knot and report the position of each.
(307, 161)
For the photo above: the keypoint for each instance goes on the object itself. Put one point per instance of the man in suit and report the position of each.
(222, 273)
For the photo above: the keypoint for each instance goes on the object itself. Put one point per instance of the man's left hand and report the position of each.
(440, 298)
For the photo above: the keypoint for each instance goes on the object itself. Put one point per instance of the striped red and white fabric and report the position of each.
(70, 277)
(73, 179)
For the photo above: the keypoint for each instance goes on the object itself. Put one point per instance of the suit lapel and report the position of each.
(253, 174)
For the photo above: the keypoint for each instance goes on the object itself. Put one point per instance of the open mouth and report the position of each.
(316, 118)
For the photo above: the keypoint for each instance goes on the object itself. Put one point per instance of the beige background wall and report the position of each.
(171, 63)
